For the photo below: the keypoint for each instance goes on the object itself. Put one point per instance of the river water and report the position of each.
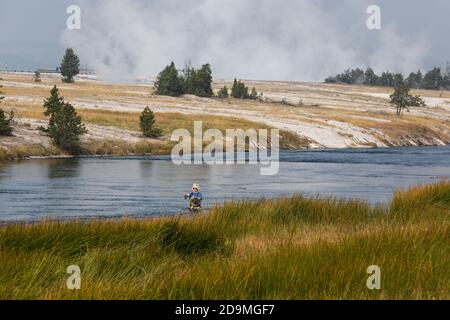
(146, 186)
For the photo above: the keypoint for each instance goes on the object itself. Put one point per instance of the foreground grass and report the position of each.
(291, 248)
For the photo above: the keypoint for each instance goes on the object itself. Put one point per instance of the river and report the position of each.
(146, 186)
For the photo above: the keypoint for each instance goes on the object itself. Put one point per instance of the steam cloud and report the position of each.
(264, 39)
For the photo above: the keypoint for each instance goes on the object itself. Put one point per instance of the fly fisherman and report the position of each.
(195, 198)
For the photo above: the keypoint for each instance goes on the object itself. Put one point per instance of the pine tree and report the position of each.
(64, 126)
(403, 100)
(169, 83)
(5, 123)
(254, 94)
(52, 105)
(67, 129)
(446, 77)
(370, 78)
(147, 123)
(415, 80)
(433, 79)
(203, 82)
(188, 78)
(70, 65)
(37, 76)
(223, 93)
(386, 79)
(1, 97)
(357, 76)
(235, 89)
(239, 90)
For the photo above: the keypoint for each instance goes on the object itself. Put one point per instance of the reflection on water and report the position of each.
(147, 186)
(71, 169)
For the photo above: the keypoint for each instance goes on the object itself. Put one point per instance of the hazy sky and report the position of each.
(250, 39)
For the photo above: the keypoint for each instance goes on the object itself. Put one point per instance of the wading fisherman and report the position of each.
(196, 198)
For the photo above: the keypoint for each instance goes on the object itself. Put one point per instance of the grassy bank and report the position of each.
(291, 248)
(88, 148)
(167, 121)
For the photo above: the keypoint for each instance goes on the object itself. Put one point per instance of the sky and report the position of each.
(304, 40)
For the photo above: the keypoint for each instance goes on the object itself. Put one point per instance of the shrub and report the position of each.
(189, 239)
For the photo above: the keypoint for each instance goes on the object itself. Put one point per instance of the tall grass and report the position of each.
(289, 248)
(25, 151)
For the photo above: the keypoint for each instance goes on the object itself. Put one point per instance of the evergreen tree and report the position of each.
(67, 129)
(254, 94)
(414, 80)
(37, 76)
(397, 79)
(370, 78)
(243, 90)
(357, 76)
(433, 79)
(189, 74)
(169, 83)
(234, 89)
(64, 127)
(147, 123)
(203, 81)
(345, 77)
(223, 93)
(52, 105)
(331, 79)
(239, 90)
(446, 77)
(5, 123)
(70, 65)
(403, 100)
(386, 79)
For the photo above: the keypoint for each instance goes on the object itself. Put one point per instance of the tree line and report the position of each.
(433, 79)
(198, 82)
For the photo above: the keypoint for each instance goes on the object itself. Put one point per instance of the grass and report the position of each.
(25, 151)
(343, 103)
(289, 248)
(167, 121)
(123, 148)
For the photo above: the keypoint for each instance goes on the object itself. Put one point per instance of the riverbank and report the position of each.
(309, 115)
(289, 248)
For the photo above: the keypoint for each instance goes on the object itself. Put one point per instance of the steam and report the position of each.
(264, 39)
